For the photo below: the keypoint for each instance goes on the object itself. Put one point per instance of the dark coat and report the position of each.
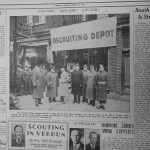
(77, 81)
(15, 144)
(102, 86)
(52, 84)
(19, 81)
(38, 79)
(81, 147)
(88, 147)
(91, 83)
(85, 79)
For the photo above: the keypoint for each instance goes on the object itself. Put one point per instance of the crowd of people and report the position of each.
(90, 83)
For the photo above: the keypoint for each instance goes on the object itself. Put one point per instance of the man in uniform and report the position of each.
(91, 83)
(52, 85)
(19, 81)
(27, 79)
(77, 81)
(38, 79)
(102, 87)
(85, 78)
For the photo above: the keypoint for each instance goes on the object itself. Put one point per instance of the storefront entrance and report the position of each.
(93, 56)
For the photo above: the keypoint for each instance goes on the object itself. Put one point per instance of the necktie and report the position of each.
(75, 147)
(93, 148)
(19, 141)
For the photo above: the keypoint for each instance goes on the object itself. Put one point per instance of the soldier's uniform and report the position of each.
(19, 82)
(27, 79)
(37, 80)
(77, 82)
(90, 90)
(52, 85)
(85, 79)
(102, 86)
(45, 78)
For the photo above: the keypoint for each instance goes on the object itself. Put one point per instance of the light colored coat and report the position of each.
(91, 83)
(52, 85)
(37, 80)
(63, 84)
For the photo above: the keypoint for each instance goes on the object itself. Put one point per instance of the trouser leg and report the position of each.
(54, 99)
(40, 101)
(36, 102)
(75, 98)
(78, 98)
(50, 100)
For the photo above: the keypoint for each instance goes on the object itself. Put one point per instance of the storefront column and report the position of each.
(118, 61)
(49, 54)
(115, 64)
(112, 53)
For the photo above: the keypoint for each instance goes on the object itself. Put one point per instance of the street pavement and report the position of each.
(112, 105)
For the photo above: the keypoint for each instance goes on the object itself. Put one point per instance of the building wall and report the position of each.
(115, 64)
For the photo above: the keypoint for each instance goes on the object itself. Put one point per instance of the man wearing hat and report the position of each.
(91, 83)
(52, 85)
(37, 79)
(19, 78)
(77, 82)
(102, 87)
(85, 78)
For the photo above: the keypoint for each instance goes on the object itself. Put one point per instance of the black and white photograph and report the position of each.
(70, 63)
(92, 139)
(76, 139)
(17, 135)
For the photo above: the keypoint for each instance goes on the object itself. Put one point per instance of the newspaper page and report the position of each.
(75, 76)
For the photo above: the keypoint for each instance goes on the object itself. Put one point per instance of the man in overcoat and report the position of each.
(52, 85)
(77, 82)
(37, 80)
(102, 86)
(19, 81)
(85, 79)
(27, 79)
(91, 83)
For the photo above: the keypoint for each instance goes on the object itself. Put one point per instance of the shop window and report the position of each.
(38, 20)
(126, 61)
(126, 38)
(22, 19)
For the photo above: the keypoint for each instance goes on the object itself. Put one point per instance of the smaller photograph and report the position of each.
(76, 139)
(92, 139)
(17, 135)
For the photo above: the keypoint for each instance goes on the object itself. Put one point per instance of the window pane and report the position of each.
(35, 19)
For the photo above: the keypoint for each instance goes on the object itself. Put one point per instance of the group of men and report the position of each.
(77, 144)
(92, 85)
(23, 81)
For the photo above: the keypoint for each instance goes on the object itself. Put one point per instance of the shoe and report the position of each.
(74, 101)
(40, 101)
(103, 107)
(54, 100)
(50, 100)
(78, 102)
(37, 105)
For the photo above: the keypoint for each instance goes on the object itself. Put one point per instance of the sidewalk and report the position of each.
(112, 105)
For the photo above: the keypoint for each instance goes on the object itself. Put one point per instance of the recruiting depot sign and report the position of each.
(91, 34)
